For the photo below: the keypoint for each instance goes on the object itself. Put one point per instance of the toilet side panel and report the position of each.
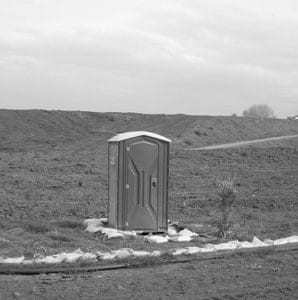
(113, 170)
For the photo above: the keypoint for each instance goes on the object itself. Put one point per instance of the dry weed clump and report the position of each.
(67, 223)
(38, 227)
(59, 237)
(227, 193)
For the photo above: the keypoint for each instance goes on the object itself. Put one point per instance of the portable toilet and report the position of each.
(138, 181)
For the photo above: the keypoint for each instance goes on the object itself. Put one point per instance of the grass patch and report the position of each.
(259, 252)
(264, 251)
(38, 227)
(147, 261)
(74, 224)
(187, 142)
(4, 243)
(59, 237)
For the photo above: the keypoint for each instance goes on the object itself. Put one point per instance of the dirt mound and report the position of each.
(22, 129)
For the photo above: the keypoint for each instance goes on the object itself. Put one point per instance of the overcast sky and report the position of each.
(188, 56)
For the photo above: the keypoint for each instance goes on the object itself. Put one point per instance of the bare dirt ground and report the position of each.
(53, 174)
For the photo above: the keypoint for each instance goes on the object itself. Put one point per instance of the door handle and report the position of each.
(154, 182)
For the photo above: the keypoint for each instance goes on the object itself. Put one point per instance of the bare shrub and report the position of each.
(259, 111)
(227, 194)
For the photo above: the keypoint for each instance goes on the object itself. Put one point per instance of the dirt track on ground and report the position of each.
(245, 143)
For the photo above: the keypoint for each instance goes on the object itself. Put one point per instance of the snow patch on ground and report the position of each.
(99, 225)
(79, 255)
(174, 234)
(71, 257)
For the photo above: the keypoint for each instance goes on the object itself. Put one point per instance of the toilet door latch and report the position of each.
(154, 182)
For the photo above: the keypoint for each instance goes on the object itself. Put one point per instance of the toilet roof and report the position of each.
(133, 134)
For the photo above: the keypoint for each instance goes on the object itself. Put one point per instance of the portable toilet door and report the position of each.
(138, 181)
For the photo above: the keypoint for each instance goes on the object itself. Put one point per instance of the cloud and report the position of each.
(211, 57)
